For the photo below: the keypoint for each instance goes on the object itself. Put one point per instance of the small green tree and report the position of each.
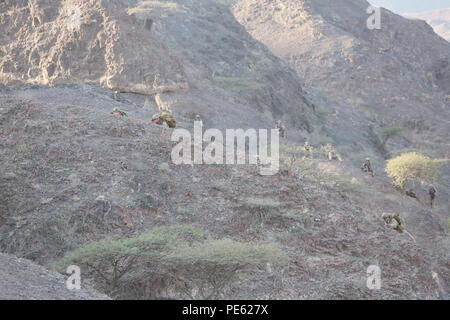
(108, 261)
(411, 166)
(213, 265)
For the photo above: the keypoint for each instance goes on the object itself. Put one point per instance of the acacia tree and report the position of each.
(108, 261)
(209, 267)
(412, 166)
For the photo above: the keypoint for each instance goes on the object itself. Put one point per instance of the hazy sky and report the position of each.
(411, 6)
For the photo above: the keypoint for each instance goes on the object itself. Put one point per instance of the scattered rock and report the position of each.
(74, 179)
(46, 200)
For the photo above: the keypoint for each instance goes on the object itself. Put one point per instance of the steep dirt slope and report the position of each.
(73, 173)
(438, 19)
(193, 54)
(21, 279)
(399, 75)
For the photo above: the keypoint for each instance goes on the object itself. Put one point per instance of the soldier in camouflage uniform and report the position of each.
(281, 129)
(394, 221)
(306, 146)
(118, 112)
(116, 96)
(309, 150)
(432, 193)
(164, 118)
(412, 194)
(333, 155)
(198, 118)
(367, 167)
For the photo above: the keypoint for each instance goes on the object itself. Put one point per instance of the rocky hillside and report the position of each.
(193, 54)
(21, 279)
(399, 75)
(438, 19)
(73, 173)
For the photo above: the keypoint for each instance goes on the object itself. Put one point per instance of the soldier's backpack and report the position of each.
(401, 223)
(171, 122)
(168, 119)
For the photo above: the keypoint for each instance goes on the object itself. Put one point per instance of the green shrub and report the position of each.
(110, 260)
(411, 166)
(293, 157)
(299, 161)
(163, 238)
(390, 132)
(213, 265)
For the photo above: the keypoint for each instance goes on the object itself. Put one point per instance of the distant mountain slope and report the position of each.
(20, 279)
(438, 19)
(399, 75)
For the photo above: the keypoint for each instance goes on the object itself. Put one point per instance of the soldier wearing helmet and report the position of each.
(117, 112)
(394, 221)
(432, 193)
(164, 118)
(367, 167)
(281, 129)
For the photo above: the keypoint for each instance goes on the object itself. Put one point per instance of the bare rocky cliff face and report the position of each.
(194, 54)
(399, 75)
(50, 42)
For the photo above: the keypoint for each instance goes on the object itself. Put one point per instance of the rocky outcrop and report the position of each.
(21, 279)
(192, 52)
(50, 42)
